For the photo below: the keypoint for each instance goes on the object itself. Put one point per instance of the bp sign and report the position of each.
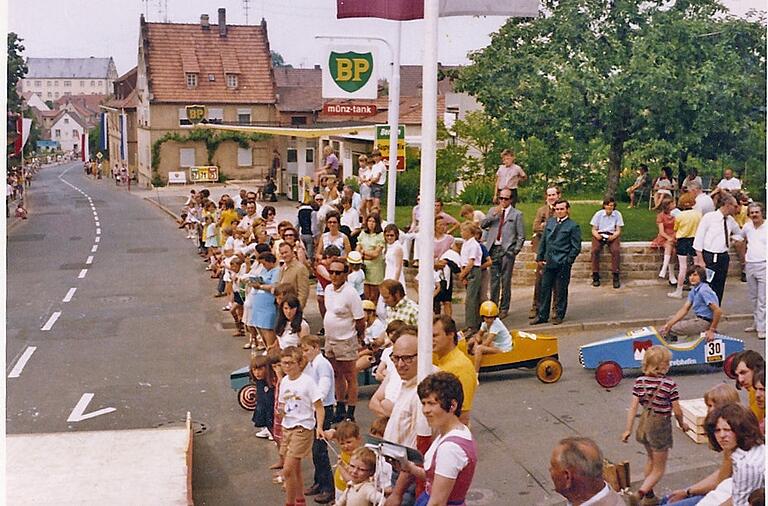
(350, 74)
(195, 113)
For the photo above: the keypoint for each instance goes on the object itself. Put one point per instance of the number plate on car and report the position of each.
(714, 351)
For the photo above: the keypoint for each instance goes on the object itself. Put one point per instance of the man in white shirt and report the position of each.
(713, 239)
(353, 196)
(246, 222)
(509, 175)
(757, 236)
(344, 325)
(576, 469)
(729, 182)
(378, 178)
(704, 203)
(606, 231)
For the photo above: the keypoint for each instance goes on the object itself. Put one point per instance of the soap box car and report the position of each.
(610, 357)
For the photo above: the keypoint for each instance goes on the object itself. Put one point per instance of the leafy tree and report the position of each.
(484, 140)
(277, 59)
(612, 72)
(16, 70)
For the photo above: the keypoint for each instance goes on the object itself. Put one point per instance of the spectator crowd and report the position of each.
(339, 248)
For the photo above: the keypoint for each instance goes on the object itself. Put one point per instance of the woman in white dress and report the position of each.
(393, 255)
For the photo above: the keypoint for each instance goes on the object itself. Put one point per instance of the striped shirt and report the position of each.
(657, 393)
(748, 473)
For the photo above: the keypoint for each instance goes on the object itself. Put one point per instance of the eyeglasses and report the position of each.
(335, 273)
(505, 198)
(407, 359)
(289, 235)
(331, 222)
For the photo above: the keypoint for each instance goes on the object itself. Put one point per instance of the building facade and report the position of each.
(67, 129)
(52, 78)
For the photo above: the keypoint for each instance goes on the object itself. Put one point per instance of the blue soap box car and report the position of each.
(610, 357)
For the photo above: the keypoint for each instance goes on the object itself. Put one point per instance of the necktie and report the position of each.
(501, 224)
(725, 231)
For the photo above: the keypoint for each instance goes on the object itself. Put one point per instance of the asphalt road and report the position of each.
(144, 336)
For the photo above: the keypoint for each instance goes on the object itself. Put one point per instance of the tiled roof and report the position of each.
(90, 102)
(172, 49)
(93, 68)
(299, 90)
(411, 81)
(289, 76)
(129, 102)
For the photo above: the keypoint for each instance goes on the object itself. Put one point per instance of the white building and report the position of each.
(33, 100)
(51, 78)
(67, 128)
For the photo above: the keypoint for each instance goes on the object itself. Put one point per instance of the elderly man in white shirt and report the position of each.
(713, 239)
(704, 203)
(757, 236)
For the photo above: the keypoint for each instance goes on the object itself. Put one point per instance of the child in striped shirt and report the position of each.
(658, 397)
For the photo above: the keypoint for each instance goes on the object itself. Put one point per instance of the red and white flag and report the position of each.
(404, 10)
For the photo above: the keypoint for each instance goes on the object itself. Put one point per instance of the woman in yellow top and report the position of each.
(744, 366)
(685, 227)
(228, 215)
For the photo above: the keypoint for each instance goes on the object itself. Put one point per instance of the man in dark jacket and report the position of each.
(560, 245)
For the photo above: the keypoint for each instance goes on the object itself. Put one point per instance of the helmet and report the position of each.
(369, 305)
(354, 257)
(489, 308)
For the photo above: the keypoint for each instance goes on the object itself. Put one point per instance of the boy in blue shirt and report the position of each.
(704, 302)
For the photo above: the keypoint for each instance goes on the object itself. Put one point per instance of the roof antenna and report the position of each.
(246, 8)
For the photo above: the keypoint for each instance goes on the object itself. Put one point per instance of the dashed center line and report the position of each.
(89, 260)
(98, 239)
(16, 371)
(98, 231)
(49, 324)
(69, 295)
(98, 224)
(82, 274)
(94, 248)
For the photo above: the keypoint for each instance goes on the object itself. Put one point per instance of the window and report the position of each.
(55, 83)
(67, 93)
(186, 157)
(309, 155)
(191, 80)
(232, 81)
(82, 84)
(211, 77)
(298, 120)
(66, 121)
(244, 157)
(215, 115)
(183, 121)
(39, 94)
(93, 84)
(244, 116)
(67, 83)
(50, 94)
(48, 83)
(58, 133)
(38, 83)
(291, 156)
(75, 134)
(56, 94)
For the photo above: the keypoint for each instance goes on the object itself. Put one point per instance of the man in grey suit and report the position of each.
(504, 239)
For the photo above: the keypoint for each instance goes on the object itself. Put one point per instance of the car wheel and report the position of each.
(246, 397)
(549, 370)
(609, 374)
(728, 366)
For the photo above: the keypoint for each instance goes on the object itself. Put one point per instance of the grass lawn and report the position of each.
(639, 224)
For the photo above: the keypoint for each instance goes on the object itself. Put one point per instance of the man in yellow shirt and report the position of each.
(449, 358)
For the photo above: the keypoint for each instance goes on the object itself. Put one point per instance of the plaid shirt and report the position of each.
(405, 310)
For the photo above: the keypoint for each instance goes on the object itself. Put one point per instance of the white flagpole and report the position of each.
(427, 207)
(393, 117)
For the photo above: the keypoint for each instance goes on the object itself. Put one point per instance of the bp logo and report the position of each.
(196, 113)
(351, 71)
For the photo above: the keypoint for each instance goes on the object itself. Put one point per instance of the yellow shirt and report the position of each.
(741, 218)
(686, 223)
(457, 363)
(759, 413)
(338, 481)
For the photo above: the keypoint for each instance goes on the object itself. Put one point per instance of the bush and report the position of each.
(478, 193)
(352, 181)
(407, 187)
(158, 181)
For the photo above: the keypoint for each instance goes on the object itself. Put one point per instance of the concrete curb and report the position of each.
(638, 322)
(163, 208)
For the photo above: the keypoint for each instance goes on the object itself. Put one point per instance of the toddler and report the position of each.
(360, 489)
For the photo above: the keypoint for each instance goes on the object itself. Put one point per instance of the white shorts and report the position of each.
(365, 192)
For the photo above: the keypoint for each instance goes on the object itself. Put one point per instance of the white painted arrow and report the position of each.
(78, 414)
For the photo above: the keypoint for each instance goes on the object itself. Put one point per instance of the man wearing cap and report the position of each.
(378, 178)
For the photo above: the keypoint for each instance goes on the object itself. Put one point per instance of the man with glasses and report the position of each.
(504, 239)
(344, 325)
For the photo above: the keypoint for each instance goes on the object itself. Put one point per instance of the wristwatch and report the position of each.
(687, 492)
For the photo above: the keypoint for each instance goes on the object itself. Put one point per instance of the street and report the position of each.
(143, 335)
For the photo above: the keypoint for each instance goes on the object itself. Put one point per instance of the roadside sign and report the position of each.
(382, 142)
(99, 155)
(204, 174)
(350, 73)
(195, 113)
(349, 109)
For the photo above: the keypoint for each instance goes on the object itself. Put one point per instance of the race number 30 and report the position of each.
(714, 351)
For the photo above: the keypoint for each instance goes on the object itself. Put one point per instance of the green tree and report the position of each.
(16, 71)
(277, 59)
(484, 140)
(607, 72)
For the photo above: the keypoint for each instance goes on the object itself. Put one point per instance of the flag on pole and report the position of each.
(18, 143)
(123, 136)
(103, 138)
(405, 10)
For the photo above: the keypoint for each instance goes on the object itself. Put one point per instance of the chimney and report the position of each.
(205, 22)
(317, 66)
(222, 22)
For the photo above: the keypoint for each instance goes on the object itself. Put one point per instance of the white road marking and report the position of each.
(98, 231)
(89, 260)
(95, 247)
(94, 213)
(98, 224)
(49, 324)
(98, 239)
(16, 371)
(82, 274)
(69, 295)
(78, 414)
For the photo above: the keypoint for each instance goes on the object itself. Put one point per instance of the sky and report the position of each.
(82, 28)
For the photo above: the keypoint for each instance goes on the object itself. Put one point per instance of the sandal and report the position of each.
(276, 466)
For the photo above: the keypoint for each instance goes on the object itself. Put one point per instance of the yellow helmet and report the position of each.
(489, 308)
(369, 305)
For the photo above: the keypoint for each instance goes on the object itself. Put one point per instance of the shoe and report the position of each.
(325, 498)
(557, 321)
(672, 282)
(750, 329)
(650, 501)
(743, 277)
(537, 321)
(532, 313)
(226, 308)
(313, 490)
(663, 274)
(264, 433)
(595, 279)
(616, 281)
(321, 332)
(220, 294)
(761, 335)
(675, 295)
(248, 345)
(276, 466)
